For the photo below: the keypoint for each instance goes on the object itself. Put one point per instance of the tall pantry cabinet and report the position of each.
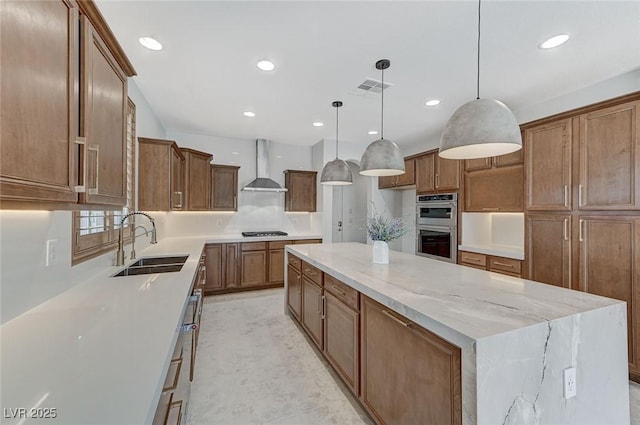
(582, 205)
(64, 92)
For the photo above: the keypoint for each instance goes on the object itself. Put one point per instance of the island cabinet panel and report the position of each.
(312, 310)
(409, 375)
(548, 157)
(548, 249)
(610, 266)
(341, 342)
(610, 158)
(294, 291)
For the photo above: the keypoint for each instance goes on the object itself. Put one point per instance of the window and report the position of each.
(95, 232)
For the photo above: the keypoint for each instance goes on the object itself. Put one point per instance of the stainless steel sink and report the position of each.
(151, 265)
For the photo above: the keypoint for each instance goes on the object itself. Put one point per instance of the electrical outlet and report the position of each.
(219, 222)
(570, 389)
(52, 252)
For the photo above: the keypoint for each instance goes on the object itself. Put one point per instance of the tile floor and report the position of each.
(255, 367)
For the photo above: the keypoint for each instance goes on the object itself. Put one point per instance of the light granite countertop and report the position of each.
(98, 353)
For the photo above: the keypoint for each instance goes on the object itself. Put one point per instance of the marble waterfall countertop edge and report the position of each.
(456, 302)
(99, 351)
(497, 250)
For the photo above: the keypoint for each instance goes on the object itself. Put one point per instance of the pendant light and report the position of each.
(382, 157)
(480, 128)
(336, 172)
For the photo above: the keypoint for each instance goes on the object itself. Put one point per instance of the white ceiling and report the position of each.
(206, 75)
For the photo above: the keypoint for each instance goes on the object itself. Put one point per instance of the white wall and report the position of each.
(24, 280)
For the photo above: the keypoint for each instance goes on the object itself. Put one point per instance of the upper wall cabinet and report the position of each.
(224, 187)
(435, 174)
(402, 181)
(64, 97)
(301, 194)
(160, 175)
(197, 179)
(610, 158)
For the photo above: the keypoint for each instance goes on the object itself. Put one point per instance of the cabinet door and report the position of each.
(387, 182)
(341, 325)
(39, 108)
(301, 194)
(312, 305)
(425, 173)
(548, 162)
(610, 158)
(253, 268)
(104, 94)
(513, 158)
(294, 292)
(177, 179)
(610, 266)
(231, 265)
(477, 164)
(409, 375)
(276, 266)
(224, 188)
(494, 190)
(409, 176)
(197, 181)
(214, 262)
(447, 174)
(548, 249)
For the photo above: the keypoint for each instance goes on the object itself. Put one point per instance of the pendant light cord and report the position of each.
(382, 109)
(478, 75)
(337, 132)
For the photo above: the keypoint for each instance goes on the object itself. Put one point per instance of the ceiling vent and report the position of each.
(373, 86)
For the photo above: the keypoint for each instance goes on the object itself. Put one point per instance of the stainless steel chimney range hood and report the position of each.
(263, 183)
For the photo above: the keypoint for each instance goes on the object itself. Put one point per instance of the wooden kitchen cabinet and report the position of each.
(224, 187)
(407, 179)
(548, 150)
(221, 261)
(253, 264)
(276, 261)
(409, 375)
(548, 248)
(312, 310)
(64, 91)
(609, 259)
(472, 259)
(294, 291)
(499, 189)
(609, 163)
(197, 179)
(505, 160)
(435, 174)
(341, 331)
(160, 175)
(492, 263)
(301, 193)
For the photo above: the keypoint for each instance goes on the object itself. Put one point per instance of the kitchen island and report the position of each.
(515, 337)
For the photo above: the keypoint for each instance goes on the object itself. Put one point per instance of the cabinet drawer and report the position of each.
(507, 265)
(279, 244)
(312, 273)
(295, 261)
(253, 246)
(343, 292)
(173, 374)
(473, 259)
(304, 241)
(162, 411)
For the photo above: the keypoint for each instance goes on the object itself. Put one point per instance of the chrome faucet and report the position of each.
(120, 252)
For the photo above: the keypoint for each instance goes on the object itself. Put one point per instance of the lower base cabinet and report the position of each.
(508, 266)
(341, 348)
(312, 310)
(409, 375)
(294, 292)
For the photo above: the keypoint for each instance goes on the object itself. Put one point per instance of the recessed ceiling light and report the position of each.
(432, 102)
(554, 41)
(266, 65)
(249, 114)
(279, 156)
(235, 153)
(150, 43)
(372, 132)
(232, 162)
(318, 124)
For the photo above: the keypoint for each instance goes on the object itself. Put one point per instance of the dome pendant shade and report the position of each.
(382, 158)
(479, 129)
(336, 173)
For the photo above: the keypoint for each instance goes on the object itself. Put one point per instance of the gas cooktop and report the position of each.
(262, 234)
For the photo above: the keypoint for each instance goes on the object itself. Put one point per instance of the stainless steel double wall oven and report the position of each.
(437, 226)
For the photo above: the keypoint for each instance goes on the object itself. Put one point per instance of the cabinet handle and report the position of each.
(579, 195)
(498, 263)
(179, 204)
(204, 275)
(82, 141)
(96, 149)
(564, 230)
(566, 196)
(323, 306)
(235, 202)
(405, 324)
(580, 228)
(491, 209)
(344, 294)
(437, 180)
